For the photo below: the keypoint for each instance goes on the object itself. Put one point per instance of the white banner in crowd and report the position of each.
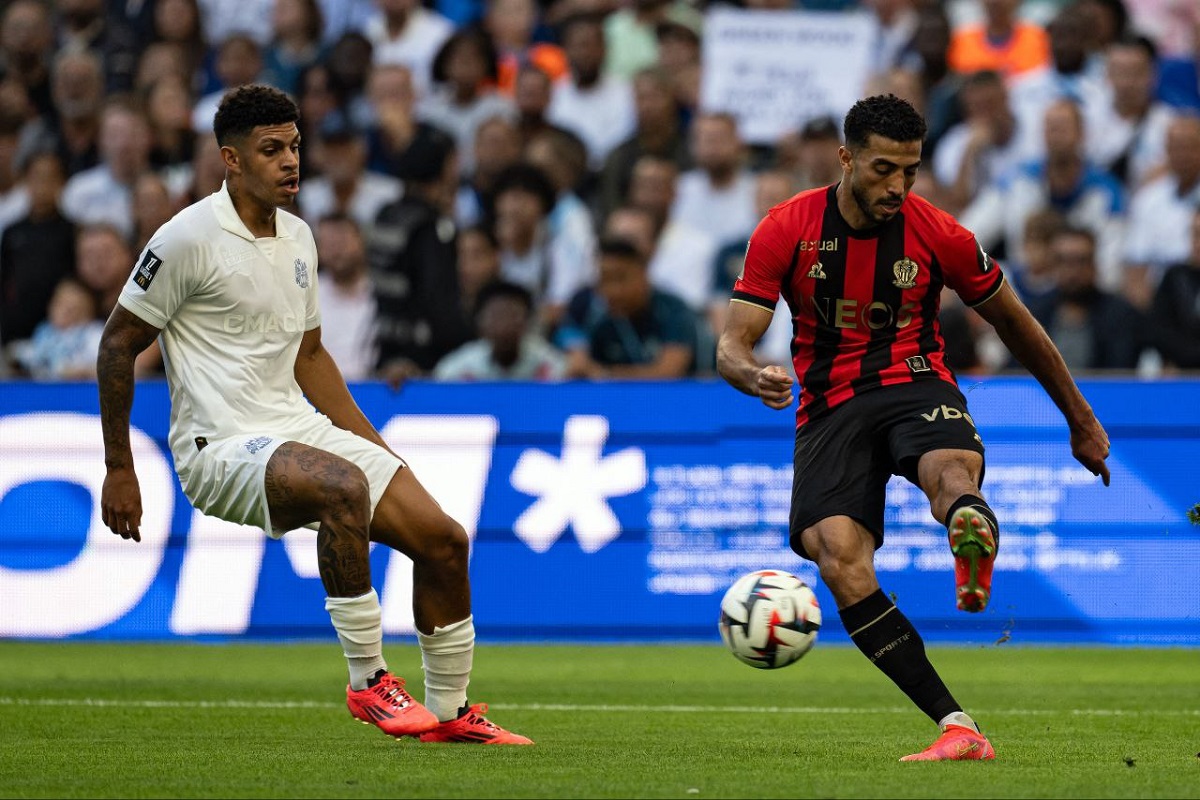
(775, 70)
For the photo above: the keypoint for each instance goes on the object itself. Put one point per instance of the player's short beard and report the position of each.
(864, 203)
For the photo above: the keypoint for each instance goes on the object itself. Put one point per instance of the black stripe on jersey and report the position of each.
(789, 296)
(931, 340)
(754, 300)
(990, 293)
(889, 250)
(786, 284)
(827, 337)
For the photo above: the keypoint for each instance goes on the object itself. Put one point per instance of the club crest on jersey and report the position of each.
(301, 273)
(905, 271)
(817, 271)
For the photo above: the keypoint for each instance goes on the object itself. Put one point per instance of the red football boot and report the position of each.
(385, 704)
(973, 543)
(472, 727)
(956, 744)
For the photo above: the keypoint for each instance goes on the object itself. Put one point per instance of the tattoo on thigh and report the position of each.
(304, 483)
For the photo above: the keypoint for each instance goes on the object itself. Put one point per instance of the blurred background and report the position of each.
(550, 201)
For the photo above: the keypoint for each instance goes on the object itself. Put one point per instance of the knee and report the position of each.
(446, 544)
(348, 499)
(846, 563)
(842, 573)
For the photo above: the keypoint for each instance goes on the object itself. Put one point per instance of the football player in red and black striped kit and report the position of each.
(861, 265)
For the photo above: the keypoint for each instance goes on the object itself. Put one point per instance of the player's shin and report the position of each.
(890, 641)
(359, 625)
(447, 654)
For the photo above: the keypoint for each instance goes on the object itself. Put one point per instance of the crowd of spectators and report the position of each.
(532, 188)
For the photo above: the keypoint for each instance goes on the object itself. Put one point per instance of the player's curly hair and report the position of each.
(883, 115)
(245, 108)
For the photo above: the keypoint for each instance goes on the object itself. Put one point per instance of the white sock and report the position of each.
(958, 718)
(359, 625)
(446, 655)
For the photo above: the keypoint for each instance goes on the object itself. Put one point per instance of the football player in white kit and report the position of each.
(229, 287)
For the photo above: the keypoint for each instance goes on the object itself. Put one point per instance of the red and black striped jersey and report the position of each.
(864, 304)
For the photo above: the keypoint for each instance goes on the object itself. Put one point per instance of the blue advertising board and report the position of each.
(611, 512)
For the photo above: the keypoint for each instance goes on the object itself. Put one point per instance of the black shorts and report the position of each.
(844, 460)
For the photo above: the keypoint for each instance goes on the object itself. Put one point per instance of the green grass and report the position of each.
(1065, 723)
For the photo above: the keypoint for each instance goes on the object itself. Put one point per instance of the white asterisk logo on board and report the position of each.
(574, 489)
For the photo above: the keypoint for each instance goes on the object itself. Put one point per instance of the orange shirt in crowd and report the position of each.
(971, 50)
(549, 58)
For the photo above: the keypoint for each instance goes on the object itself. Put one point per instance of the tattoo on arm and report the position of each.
(125, 336)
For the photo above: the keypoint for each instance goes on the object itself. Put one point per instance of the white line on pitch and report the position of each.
(578, 708)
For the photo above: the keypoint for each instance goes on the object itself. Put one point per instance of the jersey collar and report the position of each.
(228, 217)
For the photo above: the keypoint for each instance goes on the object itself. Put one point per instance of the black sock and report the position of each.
(980, 505)
(885, 636)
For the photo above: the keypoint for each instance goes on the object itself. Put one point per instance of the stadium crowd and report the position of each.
(532, 189)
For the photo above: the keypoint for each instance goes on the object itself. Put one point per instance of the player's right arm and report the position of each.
(755, 294)
(171, 267)
(125, 336)
(745, 324)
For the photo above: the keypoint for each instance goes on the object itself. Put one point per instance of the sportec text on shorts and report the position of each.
(844, 459)
(226, 478)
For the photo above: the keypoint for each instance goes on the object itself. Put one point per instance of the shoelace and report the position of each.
(389, 689)
(476, 716)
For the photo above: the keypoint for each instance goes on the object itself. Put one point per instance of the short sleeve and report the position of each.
(768, 257)
(967, 267)
(166, 274)
(312, 305)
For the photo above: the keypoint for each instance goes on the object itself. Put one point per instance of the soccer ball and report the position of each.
(769, 619)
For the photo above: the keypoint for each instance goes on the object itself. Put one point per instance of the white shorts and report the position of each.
(227, 479)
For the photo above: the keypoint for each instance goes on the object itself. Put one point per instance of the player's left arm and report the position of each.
(323, 385)
(1029, 343)
(978, 280)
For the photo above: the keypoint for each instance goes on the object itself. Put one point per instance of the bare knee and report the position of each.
(347, 500)
(845, 554)
(444, 544)
(849, 580)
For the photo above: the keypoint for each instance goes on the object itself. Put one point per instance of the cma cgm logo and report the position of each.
(219, 576)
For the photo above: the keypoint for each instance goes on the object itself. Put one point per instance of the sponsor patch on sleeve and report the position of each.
(146, 270)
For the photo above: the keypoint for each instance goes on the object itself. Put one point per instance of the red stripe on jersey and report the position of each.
(864, 303)
(849, 315)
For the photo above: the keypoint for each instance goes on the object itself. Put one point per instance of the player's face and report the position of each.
(268, 163)
(881, 175)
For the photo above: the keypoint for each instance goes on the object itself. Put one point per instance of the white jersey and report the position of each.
(232, 309)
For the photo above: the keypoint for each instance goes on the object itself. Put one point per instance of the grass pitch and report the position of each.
(102, 720)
